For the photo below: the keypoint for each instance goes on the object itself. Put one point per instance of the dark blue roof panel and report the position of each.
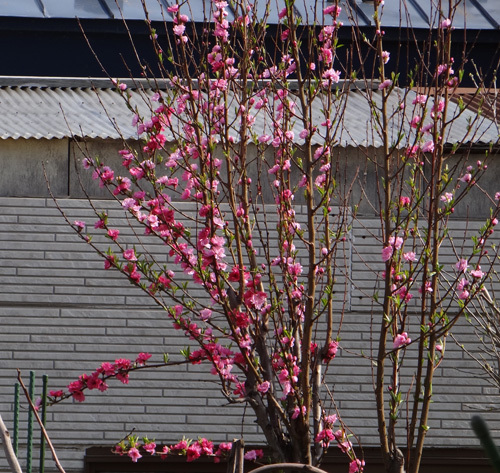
(470, 14)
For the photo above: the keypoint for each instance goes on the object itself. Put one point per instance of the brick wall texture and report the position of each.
(62, 314)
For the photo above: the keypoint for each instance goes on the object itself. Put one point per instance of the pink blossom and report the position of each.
(205, 314)
(130, 255)
(386, 56)
(264, 387)
(253, 455)
(447, 197)
(324, 437)
(100, 223)
(207, 447)
(331, 352)
(404, 201)
(150, 447)
(79, 224)
(87, 163)
(477, 273)
(445, 24)
(428, 146)
(134, 454)
(142, 358)
(193, 452)
(415, 121)
(401, 340)
(420, 99)
(462, 265)
(385, 84)
(332, 10)
(426, 288)
(297, 411)
(409, 256)
(122, 377)
(466, 178)
(179, 29)
(412, 151)
(222, 451)
(462, 283)
(113, 234)
(78, 396)
(329, 76)
(164, 452)
(464, 295)
(356, 466)
(387, 252)
(397, 242)
(494, 222)
(110, 261)
(427, 128)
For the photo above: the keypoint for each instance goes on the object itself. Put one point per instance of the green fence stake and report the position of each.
(29, 457)
(16, 418)
(483, 434)
(43, 407)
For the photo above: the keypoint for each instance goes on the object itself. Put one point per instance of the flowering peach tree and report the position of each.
(249, 139)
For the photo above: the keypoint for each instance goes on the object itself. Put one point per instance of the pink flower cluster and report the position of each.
(190, 169)
(192, 450)
(401, 340)
(97, 380)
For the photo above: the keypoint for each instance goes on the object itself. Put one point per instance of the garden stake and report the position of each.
(43, 406)
(15, 441)
(29, 458)
(483, 434)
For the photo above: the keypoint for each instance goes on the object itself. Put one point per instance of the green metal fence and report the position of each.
(42, 409)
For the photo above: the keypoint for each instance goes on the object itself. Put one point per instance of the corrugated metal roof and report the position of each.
(38, 108)
(472, 14)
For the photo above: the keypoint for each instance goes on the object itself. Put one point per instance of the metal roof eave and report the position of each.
(66, 108)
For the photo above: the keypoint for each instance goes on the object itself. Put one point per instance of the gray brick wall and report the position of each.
(61, 314)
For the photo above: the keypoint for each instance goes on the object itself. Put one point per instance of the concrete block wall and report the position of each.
(62, 314)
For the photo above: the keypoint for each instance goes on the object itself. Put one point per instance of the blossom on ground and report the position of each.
(134, 454)
(253, 455)
(150, 447)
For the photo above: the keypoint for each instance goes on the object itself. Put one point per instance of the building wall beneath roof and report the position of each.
(62, 314)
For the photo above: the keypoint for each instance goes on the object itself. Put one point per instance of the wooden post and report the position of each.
(7, 447)
(236, 457)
